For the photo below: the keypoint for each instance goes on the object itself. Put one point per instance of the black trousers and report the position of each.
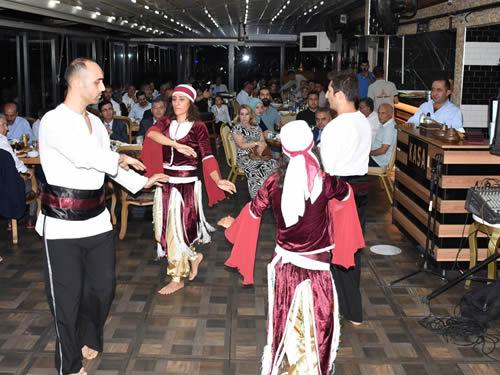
(347, 281)
(80, 286)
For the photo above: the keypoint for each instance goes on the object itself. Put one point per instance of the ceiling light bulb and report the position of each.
(78, 7)
(134, 1)
(321, 2)
(146, 6)
(53, 3)
(157, 12)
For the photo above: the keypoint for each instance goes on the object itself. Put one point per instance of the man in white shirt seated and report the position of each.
(137, 111)
(244, 94)
(319, 88)
(5, 145)
(117, 129)
(293, 83)
(129, 97)
(440, 108)
(218, 87)
(17, 125)
(108, 96)
(366, 107)
(385, 140)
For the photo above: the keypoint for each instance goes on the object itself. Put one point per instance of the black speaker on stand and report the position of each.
(495, 144)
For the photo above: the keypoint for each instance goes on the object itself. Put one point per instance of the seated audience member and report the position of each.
(250, 147)
(366, 108)
(275, 92)
(440, 108)
(146, 89)
(154, 92)
(21, 168)
(385, 139)
(117, 129)
(294, 82)
(320, 89)
(382, 91)
(16, 124)
(158, 110)
(323, 117)
(221, 112)
(258, 109)
(271, 116)
(5, 145)
(137, 111)
(107, 95)
(244, 94)
(36, 125)
(218, 87)
(309, 114)
(261, 83)
(202, 97)
(129, 97)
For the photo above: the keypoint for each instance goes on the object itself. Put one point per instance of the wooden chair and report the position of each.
(385, 175)
(31, 196)
(230, 153)
(141, 199)
(110, 193)
(130, 126)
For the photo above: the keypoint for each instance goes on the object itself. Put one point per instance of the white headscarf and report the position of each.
(303, 179)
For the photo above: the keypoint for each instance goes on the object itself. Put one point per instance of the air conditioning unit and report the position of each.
(318, 42)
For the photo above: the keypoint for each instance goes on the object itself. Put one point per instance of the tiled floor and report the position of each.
(215, 326)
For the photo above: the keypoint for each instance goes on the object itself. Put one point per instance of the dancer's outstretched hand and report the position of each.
(185, 149)
(226, 222)
(227, 186)
(126, 162)
(157, 179)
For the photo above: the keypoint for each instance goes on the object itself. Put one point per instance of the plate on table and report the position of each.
(284, 113)
(21, 155)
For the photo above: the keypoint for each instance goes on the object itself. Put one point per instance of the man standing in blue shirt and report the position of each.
(17, 125)
(365, 78)
(439, 108)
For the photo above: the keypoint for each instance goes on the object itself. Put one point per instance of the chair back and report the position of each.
(128, 122)
(232, 149)
(12, 191)
(235, 106)
(225, 133)
(133, 151)
(392, 161)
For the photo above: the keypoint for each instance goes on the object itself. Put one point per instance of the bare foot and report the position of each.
(194, 266)
(171, 287)
(88, 353)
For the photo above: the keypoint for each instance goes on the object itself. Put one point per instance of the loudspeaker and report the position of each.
(495, 144)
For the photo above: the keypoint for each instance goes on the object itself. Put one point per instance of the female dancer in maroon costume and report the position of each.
(303, 330)
(175, 144)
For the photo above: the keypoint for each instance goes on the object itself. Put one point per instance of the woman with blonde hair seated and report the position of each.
(253, 155)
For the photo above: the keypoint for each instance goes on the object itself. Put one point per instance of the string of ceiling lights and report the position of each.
(96, 15)
(306, 12)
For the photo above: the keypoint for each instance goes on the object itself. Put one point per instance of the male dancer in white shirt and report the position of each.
(345, 148)
(74, 222)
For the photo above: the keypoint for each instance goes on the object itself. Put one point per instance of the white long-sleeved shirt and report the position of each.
(5, 145)
(346, 144)
(221, 114)
(72, 157)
